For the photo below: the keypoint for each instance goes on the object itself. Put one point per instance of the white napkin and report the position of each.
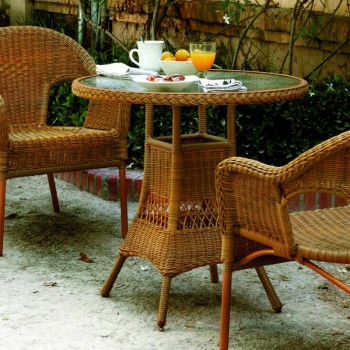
(120, 70)
(221, 85)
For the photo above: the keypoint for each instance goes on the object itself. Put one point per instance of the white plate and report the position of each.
(164, 85)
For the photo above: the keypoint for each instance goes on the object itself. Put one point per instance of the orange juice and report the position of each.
(203, 60)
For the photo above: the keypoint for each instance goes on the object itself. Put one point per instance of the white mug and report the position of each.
(149, 52)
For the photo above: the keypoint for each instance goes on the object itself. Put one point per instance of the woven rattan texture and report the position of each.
(323, 234)
(196, 241)
(176, 227)
(32, 60)
(193, 99)
(253, 198)
(174, 252)
(253, 210)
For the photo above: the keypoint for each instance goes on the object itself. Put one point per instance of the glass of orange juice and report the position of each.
(203, 56)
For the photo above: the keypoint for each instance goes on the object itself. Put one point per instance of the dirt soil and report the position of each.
(50, 297)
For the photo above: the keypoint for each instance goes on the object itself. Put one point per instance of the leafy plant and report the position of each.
(232, 9)
(276, 133)
(65, 108)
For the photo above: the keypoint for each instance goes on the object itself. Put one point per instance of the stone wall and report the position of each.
(69, 7)
(268, 42)
(268, 39)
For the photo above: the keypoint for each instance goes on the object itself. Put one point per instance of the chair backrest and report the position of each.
(323, 168)
(32, 60)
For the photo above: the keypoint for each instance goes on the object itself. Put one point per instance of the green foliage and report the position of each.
(276, 133)
(273, 133)
(136, 136)
(162, 127)
(310, 31)
(65, 108)
(231, 8)
(60, 22)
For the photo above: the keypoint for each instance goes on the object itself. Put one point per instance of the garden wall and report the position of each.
(69, 7)
(268, 39)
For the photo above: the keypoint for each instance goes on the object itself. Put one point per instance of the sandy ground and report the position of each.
(49, 298)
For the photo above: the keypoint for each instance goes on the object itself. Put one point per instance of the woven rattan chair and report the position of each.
(257, 225)
(32, 60)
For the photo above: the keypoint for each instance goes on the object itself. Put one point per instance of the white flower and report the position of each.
(226, 18)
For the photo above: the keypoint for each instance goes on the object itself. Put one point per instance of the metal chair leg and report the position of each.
(2, 212)
(214, 275)
(225, 308)
(53, 191)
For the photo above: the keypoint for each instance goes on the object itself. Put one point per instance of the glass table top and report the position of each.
(261, 88)
(253, 81)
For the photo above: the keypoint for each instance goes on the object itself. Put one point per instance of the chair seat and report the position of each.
(59, 147)
(56, 134)
(323, 234)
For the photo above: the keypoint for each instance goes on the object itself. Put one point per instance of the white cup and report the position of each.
(149, 52)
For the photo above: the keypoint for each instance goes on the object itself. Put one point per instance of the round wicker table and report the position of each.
(176, 226)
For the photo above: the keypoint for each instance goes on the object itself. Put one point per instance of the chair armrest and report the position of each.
(323, 168)
(251, 204)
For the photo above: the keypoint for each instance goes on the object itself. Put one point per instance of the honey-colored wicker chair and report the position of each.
(257, 225)
(32, 60)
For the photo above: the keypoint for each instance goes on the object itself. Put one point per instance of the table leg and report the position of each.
(202, 119)
(177, 169)
(231, 128)
(163, 302)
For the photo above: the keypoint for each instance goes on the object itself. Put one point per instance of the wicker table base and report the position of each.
(176, 226)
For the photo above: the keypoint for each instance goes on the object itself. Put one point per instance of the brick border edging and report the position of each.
(104, 183)
(315, 200)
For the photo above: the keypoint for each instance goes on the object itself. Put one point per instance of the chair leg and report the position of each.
(225, 308)
(2, 213)
(107, 286)
(54, 198)
(270, 291)
(214, 275)
(326, 275)
(123, 200)
(163, 302)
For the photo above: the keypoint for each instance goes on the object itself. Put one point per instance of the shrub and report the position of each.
(276, 133)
